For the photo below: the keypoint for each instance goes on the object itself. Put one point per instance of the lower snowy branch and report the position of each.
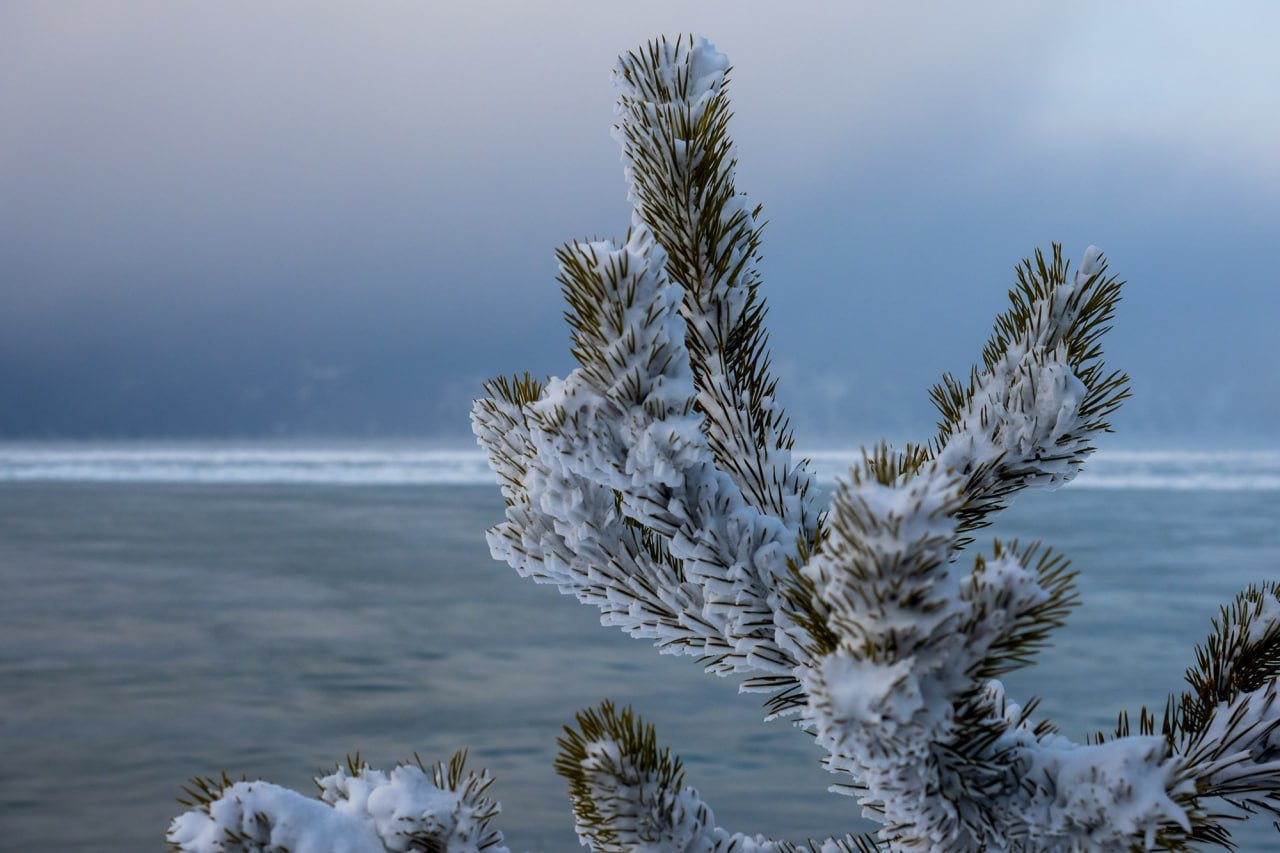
(899, 693)
(629, 795)
(360, 810)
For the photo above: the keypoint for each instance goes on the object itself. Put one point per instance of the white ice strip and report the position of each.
(243, 465)
(1155, 470)
(1253, 470)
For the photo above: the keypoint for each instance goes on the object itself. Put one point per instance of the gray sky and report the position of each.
(240, 219)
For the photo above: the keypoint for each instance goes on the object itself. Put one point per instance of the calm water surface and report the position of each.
(151, 632)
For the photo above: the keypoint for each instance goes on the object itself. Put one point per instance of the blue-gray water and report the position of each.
(151, 631)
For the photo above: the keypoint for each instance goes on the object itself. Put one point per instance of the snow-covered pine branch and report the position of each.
(656, 482)
(1227, 726)
(620, 501)
(901, 697)
(415, 806)
(679, 161)
(747, 503)
(1029, 414)
(628, 794)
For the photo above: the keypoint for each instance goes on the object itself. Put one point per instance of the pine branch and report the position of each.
(679, 159)
(1029, 414)
(612, 462)
(903, 703)
(628, 794)
(656, 482)
(1242, 655)
(1223, 727)
(438, 807)
(1227, 724)
(1031, 618)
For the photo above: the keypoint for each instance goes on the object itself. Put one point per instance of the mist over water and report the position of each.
(155, 630)
(1255, 470)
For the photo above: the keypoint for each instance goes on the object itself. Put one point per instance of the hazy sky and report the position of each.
(238, 219)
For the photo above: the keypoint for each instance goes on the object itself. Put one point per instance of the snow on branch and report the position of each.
(679, 160)
(613, 463)
(629, 795)
(438, 807)
(901, 697)
(1228, 724)
(1029, 414)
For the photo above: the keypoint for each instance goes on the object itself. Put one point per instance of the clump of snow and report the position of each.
(366, 812)
(273, 818)
(1026, 414)
(1106, 795)
(1091, 263)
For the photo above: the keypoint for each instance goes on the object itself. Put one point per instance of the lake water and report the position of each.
(172, 611)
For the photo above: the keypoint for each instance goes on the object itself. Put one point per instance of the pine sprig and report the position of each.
(1227, 722)
(642, 763)
(673, 126)
(200, 791)
(889, 534)
(504, 413)
(1045, 313)
(1241, 655)
(1221, 726)
(636, 739)
(471, 788)
(1053, 317)
(667, 815)
(1022, 639)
